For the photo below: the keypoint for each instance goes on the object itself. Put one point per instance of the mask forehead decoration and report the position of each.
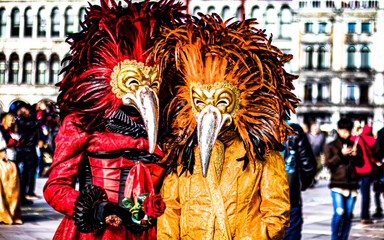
(128, 75)
(223, 95)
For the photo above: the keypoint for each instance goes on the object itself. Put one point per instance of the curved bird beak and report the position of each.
(209, 123)
(146, 102)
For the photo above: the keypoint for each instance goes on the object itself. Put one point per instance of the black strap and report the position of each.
(132, 154)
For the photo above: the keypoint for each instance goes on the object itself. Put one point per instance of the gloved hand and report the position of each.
(92, 208)
(83, 212)
(106, 209)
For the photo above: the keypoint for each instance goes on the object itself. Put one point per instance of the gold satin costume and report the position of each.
(229, 203)
(10, 211)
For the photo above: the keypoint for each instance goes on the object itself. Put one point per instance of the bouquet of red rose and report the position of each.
(145, 208)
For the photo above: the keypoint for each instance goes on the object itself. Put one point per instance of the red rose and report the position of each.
(154, 206)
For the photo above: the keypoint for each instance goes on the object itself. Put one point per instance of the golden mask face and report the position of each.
(222, 95)
(129, 75)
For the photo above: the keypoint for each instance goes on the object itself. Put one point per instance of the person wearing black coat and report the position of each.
(342, 156)
(378, 174)
(28, 125)
(301, 168)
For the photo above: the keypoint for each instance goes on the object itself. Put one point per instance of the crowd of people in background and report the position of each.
(352, 156)
(27, 135)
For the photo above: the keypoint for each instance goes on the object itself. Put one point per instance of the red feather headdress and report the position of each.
(206, 51)
(110, 35)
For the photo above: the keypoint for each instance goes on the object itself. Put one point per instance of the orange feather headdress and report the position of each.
(207, 51)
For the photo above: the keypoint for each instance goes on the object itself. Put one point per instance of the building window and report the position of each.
(322, 27)
(196, 10)
(286, 15)
(345, 4)
(82, 14)
(255, 13)
(322, 92)
(351, 94)
(225, 14)
(15, 23)
(308, 93)
(55, 18)
(28, 22)
(270, 15)
(3, 68)
(3, 22)
(285, 22)
(321, 58)
(351, 57)
(27, 69)
(308, 27)
(54, 70)
(14, 69)
(364, 58)
(239, 13)
(330, 4)
(302, 4)
(41, 69)
(370, 4)
(309, 57)
(69, 21)
(41, 22)
(211, 10)
(364, 99)
(365, 27)
(316, 4)
(351, 27)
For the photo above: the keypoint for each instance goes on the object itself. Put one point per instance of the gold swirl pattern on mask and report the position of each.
(215, 89)
(131, 69)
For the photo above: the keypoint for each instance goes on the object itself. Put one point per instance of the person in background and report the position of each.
(378, 178)
(342, 157)
(317, 140)
(10, 211)
(300, 164)
(28, 125)
(304, 126)
(9, 131)
(366, 140)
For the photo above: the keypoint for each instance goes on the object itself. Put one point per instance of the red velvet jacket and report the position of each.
(60, 192)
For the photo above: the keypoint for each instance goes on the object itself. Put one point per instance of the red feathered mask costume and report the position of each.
(109, 118)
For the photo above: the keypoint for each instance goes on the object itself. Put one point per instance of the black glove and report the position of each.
(83, 212)
(92, 207)
(105, 209)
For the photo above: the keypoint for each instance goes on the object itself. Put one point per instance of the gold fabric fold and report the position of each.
(218, 212)
(230, 203)
(10, 211)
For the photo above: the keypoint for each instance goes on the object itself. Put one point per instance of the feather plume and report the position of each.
(110, 34)
(207, 50)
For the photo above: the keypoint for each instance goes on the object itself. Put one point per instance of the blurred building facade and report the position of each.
(336, 47)
(32, 45)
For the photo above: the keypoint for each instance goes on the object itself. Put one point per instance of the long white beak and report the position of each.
(146, 102)
(209, 124)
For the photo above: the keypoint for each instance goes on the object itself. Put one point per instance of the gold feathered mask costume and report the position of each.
(227, 80)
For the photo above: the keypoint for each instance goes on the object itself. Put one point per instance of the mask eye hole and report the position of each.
(223, 102)
(197, 101)
(155, 85)
(132, 81)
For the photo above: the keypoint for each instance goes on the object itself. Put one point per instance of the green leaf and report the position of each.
(128, 203)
